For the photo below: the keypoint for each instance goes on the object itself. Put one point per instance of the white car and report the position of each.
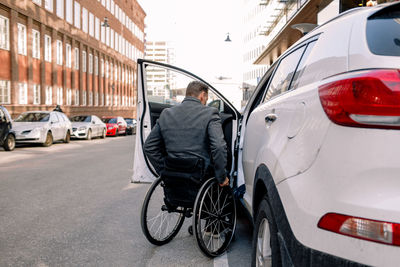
(316, 150)
(87, 127)
(43, 127)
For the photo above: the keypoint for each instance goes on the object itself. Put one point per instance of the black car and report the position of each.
(7, 135)
(131, 127)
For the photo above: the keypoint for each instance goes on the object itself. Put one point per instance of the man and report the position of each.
(190, 129)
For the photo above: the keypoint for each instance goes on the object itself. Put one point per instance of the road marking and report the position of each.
(221, 261)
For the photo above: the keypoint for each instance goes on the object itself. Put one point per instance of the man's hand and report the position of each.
(225, 183)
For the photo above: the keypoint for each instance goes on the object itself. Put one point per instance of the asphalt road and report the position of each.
(73, 205)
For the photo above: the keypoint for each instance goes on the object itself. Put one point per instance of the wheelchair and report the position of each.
(182, 191)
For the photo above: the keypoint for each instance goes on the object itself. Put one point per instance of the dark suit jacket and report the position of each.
(188, 129)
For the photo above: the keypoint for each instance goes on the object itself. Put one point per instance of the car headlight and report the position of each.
(82, 128)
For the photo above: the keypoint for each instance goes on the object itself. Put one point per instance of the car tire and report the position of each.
(89, 135)
(49, 140)
(9, 143)
(265, 238)
(103, 136)
(67, 137)
(116, 133)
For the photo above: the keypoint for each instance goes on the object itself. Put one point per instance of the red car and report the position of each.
(115, 125)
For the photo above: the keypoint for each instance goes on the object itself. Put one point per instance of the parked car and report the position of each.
(7, 135)
(115, 125)
(316, 148)
(42, 127)
(87, 127)
(131, 126)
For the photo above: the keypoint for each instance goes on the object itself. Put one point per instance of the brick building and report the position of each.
(61, 52)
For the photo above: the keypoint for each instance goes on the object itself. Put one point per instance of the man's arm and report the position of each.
(217, 147)
(154, 148)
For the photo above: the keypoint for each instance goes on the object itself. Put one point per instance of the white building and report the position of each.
(160, 82)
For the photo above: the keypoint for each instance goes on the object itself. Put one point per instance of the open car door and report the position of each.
(162, 86)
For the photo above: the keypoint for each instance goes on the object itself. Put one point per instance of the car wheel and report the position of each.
(265, 238)
(9, 144)
(104, 134)
(49, 140)
(67, 137)
(116, 133)
(89, 135)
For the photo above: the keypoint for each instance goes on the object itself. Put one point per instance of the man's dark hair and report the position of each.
(194, 88)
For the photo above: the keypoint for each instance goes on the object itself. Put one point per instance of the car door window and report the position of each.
(302, 65)
(283, 75)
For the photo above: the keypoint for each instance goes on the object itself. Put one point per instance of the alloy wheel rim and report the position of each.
(263, 253)
(11, 143)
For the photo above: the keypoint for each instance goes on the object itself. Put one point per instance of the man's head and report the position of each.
(199, 90)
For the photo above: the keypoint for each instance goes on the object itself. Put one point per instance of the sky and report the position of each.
(197, 30)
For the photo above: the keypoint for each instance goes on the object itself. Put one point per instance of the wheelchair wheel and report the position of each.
(214, 220)
(160, 223)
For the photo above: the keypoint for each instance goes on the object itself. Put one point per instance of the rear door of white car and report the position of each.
(161, 86)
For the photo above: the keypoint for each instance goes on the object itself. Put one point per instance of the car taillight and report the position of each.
(371, 230)
(369, 98)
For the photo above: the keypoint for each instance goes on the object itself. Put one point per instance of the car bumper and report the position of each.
(31, 137)
(79, 134)
(352, 176)
(111, 132)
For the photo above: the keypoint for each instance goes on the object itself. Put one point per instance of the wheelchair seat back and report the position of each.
(182, 178)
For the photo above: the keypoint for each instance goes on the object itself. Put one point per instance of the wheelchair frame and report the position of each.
(214, 217)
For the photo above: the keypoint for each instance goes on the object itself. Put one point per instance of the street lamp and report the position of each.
(105, 23)
(227, 38)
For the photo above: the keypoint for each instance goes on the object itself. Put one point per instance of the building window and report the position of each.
(35, 44)
(59, 96)
(90, 64)
(96, 65)
(91, 24)
(68, 11)
(76, 97)
(48, 4)
(68, 55)
(96, 99)
(90, 98)
(77, 20)
(103, 34)
(102, 99)
(108, 5)
(21, 39)
(103, 2)
(108, 36)
(76, 58)
(59, 58)
(112, 7)
(115, 73)
(112, 39)
(60, 8)
(23, 93)
(36, 94)
(84, 98)
(116, 41)
(4, 92)
(38, 2)
(69, 97)
(47, 48)
(97, 28)
(4, 33)
(84, 20)
(107, 100)
(107, 69)
(83, 61)
(102, 68)
(49, 95)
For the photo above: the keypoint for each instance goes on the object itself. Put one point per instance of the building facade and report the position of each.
(160, 82)
(79, 54)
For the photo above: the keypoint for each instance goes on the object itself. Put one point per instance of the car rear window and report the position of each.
(110, 120)
(383, 31)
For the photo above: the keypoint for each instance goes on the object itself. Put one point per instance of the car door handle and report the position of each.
(270, 118)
